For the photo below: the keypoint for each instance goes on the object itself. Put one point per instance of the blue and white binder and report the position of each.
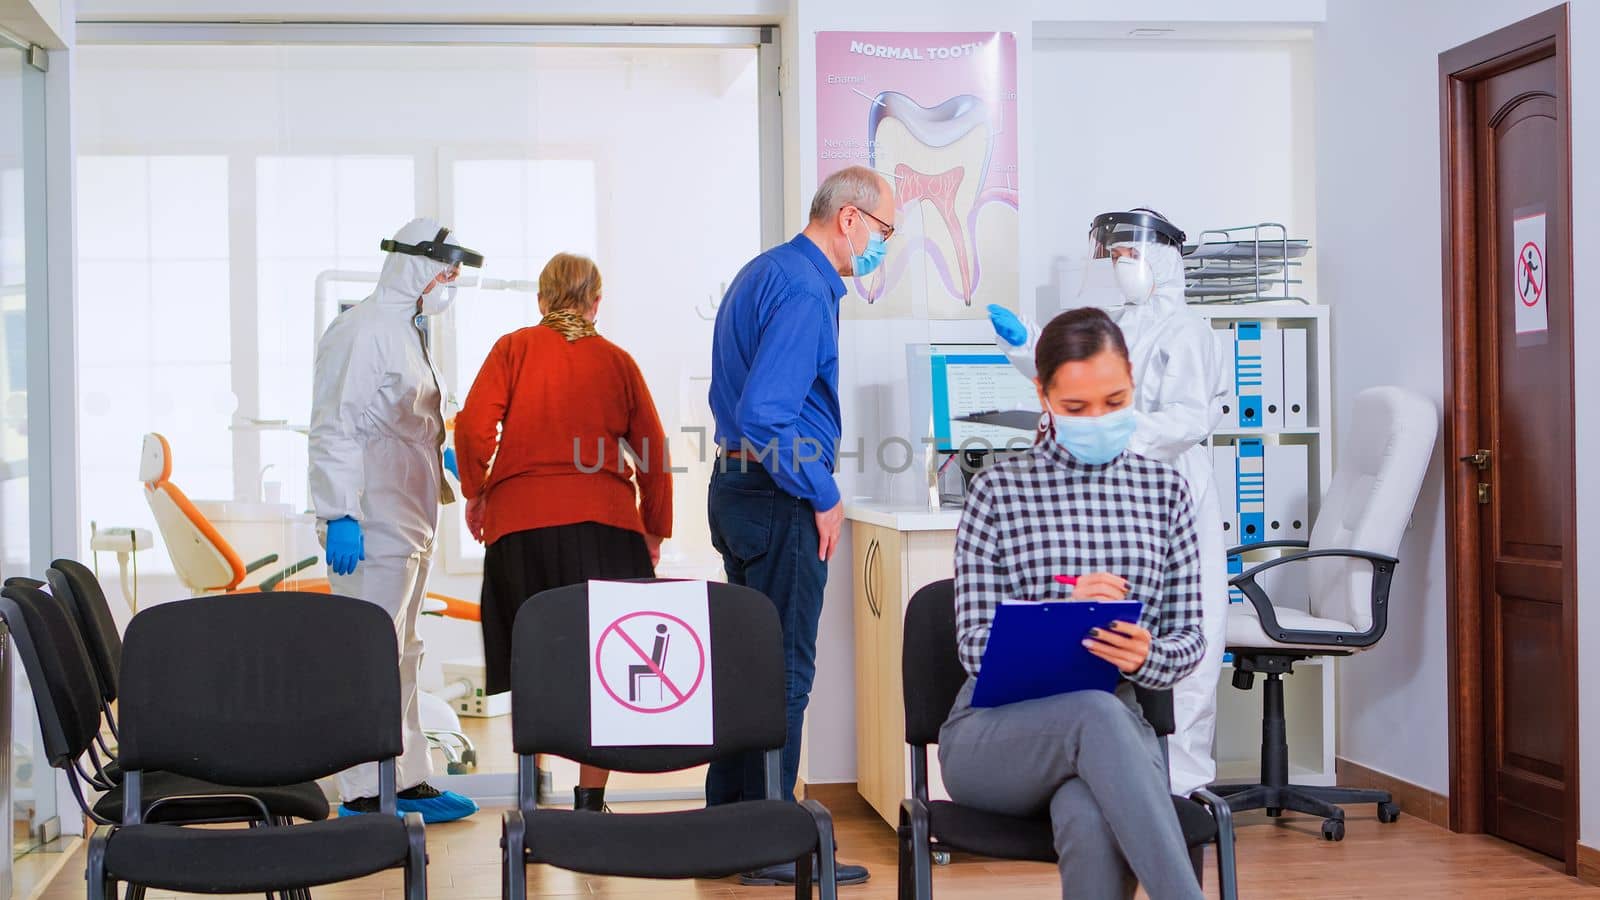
(1251, 488)
(1288, 483)
(1247, 373)
(1227, 355)
(1225, 472)
(1296, 378)
(1271, 377)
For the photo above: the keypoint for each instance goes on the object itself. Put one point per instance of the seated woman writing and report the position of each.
(1079, 504)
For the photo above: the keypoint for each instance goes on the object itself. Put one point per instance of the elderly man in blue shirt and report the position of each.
(775, 510)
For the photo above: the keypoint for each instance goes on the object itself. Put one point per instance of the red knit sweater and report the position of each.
(563, 411)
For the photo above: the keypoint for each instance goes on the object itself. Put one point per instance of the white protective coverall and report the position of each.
(377, 437)
(1179, 385)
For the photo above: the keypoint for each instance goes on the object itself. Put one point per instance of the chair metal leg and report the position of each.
(827, 875)
(802, 877)
(416, 883)
(903, 860)
(513, 866)
(919, 847)
(292, 893)
(100, 886)
(1227, 864)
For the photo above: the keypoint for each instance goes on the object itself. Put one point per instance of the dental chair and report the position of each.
(207, 564)
(203, 559)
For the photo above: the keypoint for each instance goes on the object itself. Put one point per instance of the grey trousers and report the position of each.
(1092, 761)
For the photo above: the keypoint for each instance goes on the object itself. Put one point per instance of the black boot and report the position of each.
(591, 799)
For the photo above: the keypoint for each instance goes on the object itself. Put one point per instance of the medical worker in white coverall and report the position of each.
(1179, 384)
(376, 473)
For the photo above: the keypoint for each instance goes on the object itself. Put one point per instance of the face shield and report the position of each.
(1129, 246)
(452, 255)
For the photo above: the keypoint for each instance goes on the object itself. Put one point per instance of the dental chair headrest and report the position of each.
(155, 460)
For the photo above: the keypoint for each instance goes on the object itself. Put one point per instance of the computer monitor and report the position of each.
(980, 400)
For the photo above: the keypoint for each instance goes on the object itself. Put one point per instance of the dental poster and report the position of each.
(936, 113)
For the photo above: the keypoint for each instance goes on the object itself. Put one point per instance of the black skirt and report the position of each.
(524, 563)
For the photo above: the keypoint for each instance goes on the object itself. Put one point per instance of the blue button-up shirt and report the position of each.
(775, 368)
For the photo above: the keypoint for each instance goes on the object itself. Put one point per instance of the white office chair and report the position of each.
(1348, 564)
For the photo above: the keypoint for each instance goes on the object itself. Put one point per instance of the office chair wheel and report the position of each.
(941, 857)
(1388, 813)
(1333, 829)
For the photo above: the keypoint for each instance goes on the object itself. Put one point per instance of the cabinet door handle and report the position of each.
(877, 573)
(868, 578)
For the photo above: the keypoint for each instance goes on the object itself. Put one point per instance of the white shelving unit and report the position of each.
(1311, 692)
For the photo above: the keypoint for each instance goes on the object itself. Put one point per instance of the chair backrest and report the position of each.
(65, 691)
(79, 591)
(550, 682)
(202, 557)
(1384, 451)
(931, 673)
(258, 690)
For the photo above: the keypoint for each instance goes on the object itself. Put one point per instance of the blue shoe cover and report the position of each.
(447, 806)
(435, 807)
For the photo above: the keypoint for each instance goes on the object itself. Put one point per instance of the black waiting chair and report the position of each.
(257, 691)
(68, 703)
(550, 714)
(78, 592)
(932, 675)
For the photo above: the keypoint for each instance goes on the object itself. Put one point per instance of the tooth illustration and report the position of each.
(940, 159)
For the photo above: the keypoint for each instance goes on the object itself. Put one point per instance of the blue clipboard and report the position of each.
(1036, 650)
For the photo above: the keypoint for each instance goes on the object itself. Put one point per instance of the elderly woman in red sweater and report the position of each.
(539, 444)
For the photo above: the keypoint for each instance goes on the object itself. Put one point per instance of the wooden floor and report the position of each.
(1282, 859)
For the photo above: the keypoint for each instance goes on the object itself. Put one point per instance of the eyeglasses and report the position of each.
(888, 230)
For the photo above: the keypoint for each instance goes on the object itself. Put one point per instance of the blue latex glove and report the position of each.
(450, 462)
(1007, 325)
(345, 547)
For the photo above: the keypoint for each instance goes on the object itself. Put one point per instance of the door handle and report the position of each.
(1479, 458)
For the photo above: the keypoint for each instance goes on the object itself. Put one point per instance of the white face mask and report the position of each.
(1134, 278)
(438, 298)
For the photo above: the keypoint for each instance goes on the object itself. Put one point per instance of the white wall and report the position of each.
(1157, 123)
(1377, 146)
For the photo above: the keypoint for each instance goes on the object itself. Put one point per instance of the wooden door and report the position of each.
(1508, 184)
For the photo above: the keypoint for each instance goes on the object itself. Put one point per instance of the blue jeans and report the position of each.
(768, 541)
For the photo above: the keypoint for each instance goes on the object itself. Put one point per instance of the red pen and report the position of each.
(1068, 580)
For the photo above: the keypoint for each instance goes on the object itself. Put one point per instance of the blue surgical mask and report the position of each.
(866, 261)
(1095, 440)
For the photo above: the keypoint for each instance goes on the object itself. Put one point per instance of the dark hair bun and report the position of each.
(1074, 336)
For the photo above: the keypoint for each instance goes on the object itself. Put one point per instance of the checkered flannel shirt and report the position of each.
(1044, 513)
